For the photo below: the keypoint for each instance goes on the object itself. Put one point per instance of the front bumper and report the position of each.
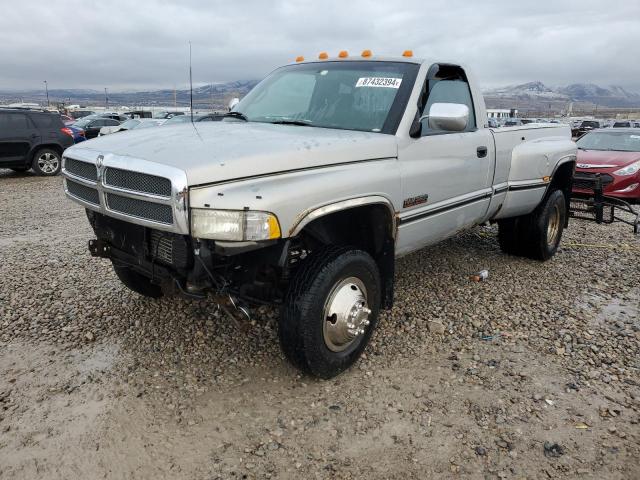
(613, 184)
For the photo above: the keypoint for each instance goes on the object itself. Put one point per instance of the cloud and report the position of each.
(139, 45)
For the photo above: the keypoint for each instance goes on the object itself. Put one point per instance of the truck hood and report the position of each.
(211, 152)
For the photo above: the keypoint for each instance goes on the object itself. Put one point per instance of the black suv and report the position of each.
(32, 139)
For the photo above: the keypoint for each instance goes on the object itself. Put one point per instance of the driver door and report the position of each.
(446, 176)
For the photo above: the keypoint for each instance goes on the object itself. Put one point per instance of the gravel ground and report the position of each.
(531, 374)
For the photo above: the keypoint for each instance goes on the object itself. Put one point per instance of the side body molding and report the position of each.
(309, 216)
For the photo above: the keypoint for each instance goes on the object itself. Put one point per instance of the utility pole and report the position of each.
(46, 88)
(106, 99)
(190, 84)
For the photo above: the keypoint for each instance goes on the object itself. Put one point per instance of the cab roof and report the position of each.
(359, 58)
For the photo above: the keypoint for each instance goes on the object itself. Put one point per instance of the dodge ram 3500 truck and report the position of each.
(313, 185)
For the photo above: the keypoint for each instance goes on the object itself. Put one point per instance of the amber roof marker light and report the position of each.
(343, 54)
(366, 53)
(300, 58)
(323, 55)
(407, 53)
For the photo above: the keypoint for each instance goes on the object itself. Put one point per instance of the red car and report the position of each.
(615, 155)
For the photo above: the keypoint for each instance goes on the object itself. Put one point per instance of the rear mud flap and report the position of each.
(601, 208)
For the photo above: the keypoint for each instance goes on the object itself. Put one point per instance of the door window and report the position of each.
(46, 121)
(14, 121)
(448, 90)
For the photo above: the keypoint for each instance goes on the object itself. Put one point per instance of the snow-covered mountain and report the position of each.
(213, 94)
(612, 96)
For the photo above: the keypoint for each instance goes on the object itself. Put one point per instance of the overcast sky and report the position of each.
(144, 44)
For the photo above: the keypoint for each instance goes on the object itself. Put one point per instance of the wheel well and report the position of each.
(563, 180)
(370, 228)
(56, 148)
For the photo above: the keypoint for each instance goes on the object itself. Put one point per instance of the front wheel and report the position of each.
(330, 311)
(47, 162)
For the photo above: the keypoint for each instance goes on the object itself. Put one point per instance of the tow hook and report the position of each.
(99, 248)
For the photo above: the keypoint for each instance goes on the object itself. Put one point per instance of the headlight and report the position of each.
(629, 169)
(234, 225)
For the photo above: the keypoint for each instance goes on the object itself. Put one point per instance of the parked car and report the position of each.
(121, 117)
(132, 124)
(289, 202)
(202, 117)
(126, 125)
(615, 156)
(138, 114)
(585, 126)
(493, 123)
(166, 115)
(149, 122)
(77, 133)
(512, 122)
(92, 125)
(623, 124)
(78, 114)
(32, 139)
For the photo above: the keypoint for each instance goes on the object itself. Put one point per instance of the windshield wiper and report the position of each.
(239, 115)
(302, 123)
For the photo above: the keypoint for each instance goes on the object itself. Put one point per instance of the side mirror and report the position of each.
(234, 101)
(451, 117)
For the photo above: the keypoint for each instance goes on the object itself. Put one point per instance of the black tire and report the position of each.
(508, 237)
(20, 169)
(541, 240)
(46, 162)
(137, 282)
(302, 318)
(530, 235)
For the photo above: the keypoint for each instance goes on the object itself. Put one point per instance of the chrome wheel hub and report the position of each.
(48, 162)
(553, 227)
(346, 314)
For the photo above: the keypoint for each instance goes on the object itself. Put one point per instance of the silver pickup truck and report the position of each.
(311, 187)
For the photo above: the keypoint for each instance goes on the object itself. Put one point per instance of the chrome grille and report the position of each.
(155, 212)
(83, 192)
(161, 247)
(137, 182)
(81, 169)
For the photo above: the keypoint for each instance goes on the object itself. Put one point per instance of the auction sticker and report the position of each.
(385, 82)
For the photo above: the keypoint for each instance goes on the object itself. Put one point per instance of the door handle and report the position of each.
(482, 152)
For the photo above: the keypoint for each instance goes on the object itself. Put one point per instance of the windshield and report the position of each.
(178, 119)
(148, 123)
(350, 95)
(617, 141)
(83, 122)
(589, 124)
(129, 124)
